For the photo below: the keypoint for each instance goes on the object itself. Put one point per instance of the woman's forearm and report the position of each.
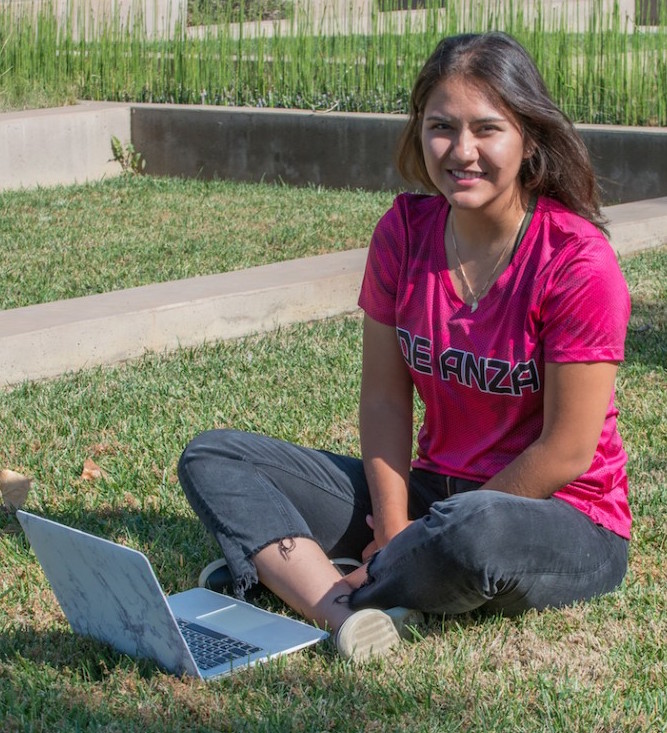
(386, 425)
(386, 444)
(537, 473)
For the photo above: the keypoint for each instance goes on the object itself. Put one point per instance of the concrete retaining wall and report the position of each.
(61, 146)
(293, 146)
(349, 150)
(49, 339)
(73, 144)
(630, 162)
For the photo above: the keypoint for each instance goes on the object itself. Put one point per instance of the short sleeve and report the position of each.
(586, 305)
(383, 266)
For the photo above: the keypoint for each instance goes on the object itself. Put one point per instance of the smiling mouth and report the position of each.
(466, 175)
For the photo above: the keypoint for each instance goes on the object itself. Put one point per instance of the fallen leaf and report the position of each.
(91, 471)
(14, 488)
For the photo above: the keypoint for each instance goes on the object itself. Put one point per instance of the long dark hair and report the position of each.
(559, 165)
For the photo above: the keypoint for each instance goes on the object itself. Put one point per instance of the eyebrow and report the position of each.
(481, 120)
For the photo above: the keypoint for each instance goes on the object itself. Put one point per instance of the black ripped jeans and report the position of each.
(466, 549)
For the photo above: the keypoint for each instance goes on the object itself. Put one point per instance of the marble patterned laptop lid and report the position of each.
(108, 592)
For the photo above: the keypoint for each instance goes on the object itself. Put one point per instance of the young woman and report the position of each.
(498, 298)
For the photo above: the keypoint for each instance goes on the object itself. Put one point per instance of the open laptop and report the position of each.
(110, 592)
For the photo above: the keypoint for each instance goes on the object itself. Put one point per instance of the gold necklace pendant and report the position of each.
(476, 296)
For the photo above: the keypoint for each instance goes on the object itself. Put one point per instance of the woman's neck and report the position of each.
(479, 232)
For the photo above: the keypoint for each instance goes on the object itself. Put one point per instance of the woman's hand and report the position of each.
(370, 550)
(379, 542)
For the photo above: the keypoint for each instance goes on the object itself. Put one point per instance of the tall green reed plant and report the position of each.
(602, 70)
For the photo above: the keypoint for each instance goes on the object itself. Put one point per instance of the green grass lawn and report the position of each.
(69, 241)
(594, 668)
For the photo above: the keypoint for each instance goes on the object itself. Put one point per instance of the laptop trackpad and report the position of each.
(236, 620)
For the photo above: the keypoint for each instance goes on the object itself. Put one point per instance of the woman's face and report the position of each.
(472, 148)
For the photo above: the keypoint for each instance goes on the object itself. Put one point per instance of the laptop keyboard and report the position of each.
(211, 648)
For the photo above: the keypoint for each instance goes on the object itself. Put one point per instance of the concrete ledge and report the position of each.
(66, 145)
(638, 225)
(48, 340)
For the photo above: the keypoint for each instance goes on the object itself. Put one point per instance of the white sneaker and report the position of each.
(403, 619)
(371, 632)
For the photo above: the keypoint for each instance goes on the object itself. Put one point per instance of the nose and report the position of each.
(463, 146)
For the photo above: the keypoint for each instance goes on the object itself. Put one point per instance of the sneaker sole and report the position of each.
(366, 634)
(404, 619)
(204, 576)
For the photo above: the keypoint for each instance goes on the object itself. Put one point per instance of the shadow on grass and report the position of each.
(646, 342)
(305, 695)
(64, 650)
(54, 680)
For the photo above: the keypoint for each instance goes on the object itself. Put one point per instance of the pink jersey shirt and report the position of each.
(481, 375)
